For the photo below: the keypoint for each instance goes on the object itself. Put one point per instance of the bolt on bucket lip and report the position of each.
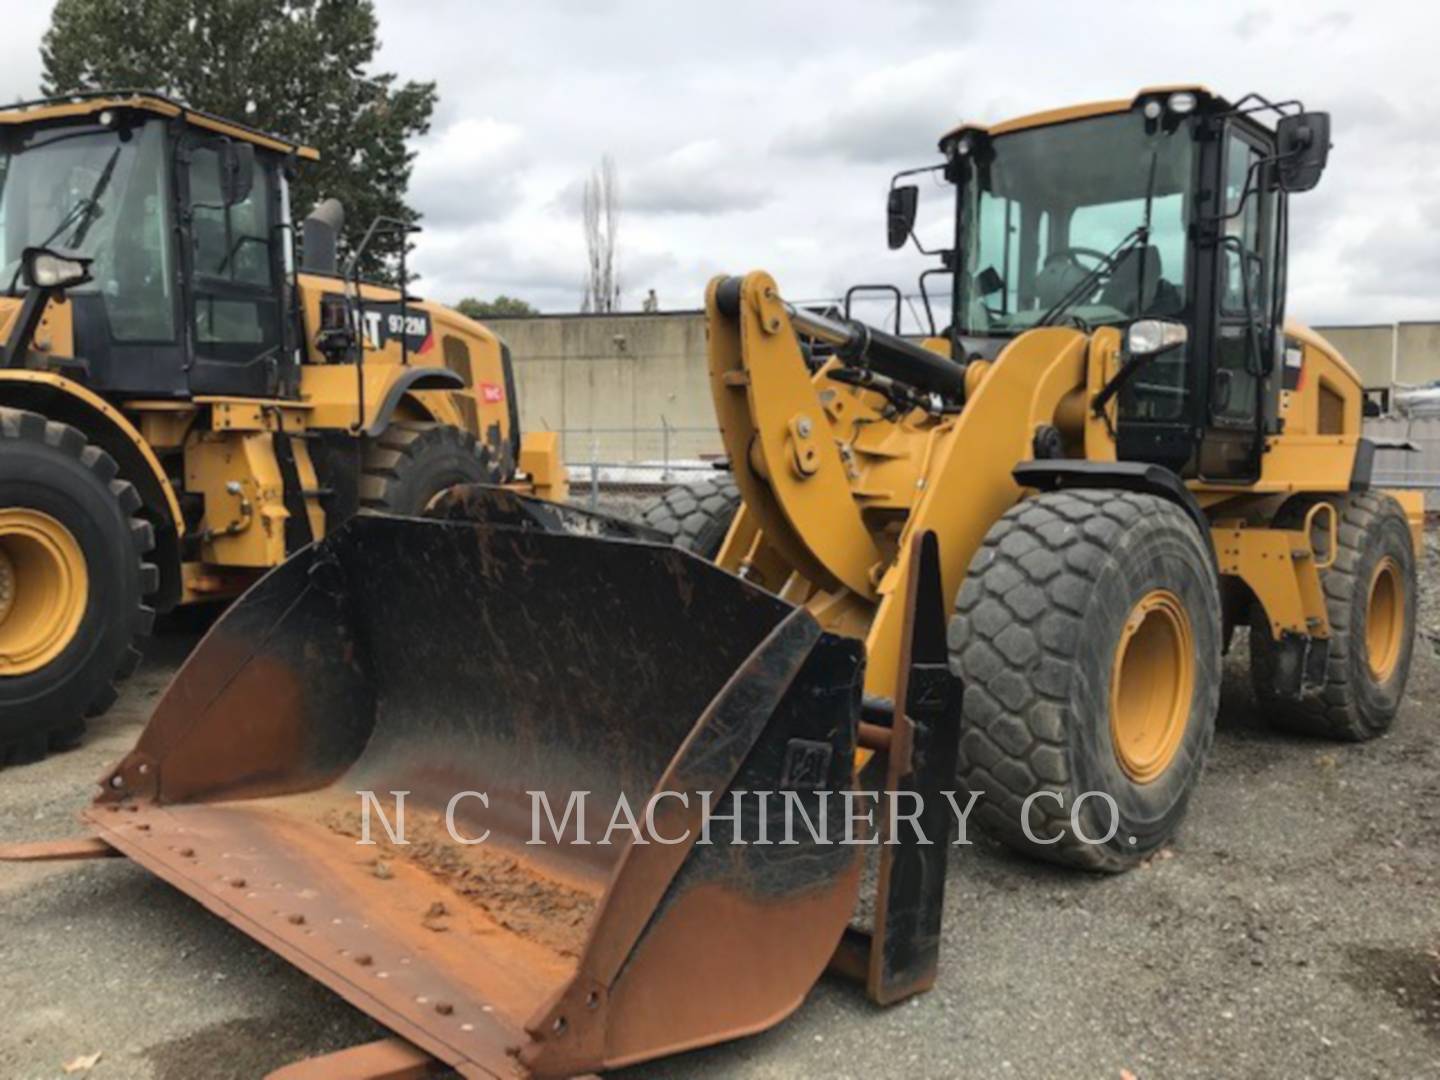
(244, 869)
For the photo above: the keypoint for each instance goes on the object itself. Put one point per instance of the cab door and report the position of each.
(234, 271)
(1243, 341)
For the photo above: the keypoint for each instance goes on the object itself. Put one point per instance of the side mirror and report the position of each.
(989, 282)
(45, 269)
(900, 214)
(237, 172)
(1302, 146)
(1151, 337)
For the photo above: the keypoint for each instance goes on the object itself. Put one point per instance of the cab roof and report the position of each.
(89, 104)
(1075, 112)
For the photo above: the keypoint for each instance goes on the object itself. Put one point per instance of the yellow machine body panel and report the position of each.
(874, 483)
(830, 520)
(30, 388)
(227, 417)
(397, 341)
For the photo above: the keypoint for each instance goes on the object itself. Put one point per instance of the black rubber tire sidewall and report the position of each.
(1036, 627)
(1350, 705)
(695, 515)
(40, 477)
(1147, 558)
(1378, 702)
(438, 459)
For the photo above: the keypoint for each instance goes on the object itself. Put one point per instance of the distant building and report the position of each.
(1389, 354)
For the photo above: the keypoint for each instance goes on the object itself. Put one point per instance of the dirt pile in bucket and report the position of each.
(509, 890)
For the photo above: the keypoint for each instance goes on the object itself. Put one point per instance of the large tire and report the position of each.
(1074, 599)
(1365, 673)
(695, 515)
(71, 542)
(411, 463)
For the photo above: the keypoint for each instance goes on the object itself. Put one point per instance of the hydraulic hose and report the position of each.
(861, 345)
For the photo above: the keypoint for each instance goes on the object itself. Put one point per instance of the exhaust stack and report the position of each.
(320, 237)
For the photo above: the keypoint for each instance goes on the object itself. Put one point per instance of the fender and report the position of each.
(1052, 474)
(66, 401)
(415, 378)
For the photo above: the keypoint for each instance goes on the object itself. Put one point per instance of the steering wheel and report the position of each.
(1072, 255)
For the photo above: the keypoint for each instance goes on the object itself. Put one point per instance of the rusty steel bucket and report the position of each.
(495, 652)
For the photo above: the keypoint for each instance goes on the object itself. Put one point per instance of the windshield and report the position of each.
(100, 193)
(1048, 226)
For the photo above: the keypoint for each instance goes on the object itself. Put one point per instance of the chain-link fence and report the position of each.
(624, 466)
(618, 467)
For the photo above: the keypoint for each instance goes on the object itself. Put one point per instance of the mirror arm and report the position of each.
(1122, 378)
(917, 171)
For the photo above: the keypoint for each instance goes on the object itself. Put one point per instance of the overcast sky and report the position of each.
(758, 133)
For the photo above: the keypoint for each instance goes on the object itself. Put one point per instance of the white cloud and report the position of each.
(698, 178)
(467, 173)
(889, 114)
(765, 135)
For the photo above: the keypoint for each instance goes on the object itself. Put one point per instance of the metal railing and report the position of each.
(638, 461)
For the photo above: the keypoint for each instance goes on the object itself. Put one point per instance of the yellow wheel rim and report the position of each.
(44, 588)
(1385, 619)
(1152, 685)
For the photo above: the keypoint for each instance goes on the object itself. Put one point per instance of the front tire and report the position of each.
(696, 515)
(411, 463)
(1370, 599)
(74, 577)
(1088, 635)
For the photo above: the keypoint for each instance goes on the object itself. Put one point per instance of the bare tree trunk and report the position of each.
(601, 213)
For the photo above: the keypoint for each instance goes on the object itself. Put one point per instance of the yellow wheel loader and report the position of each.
(182, 404)
(1012, 552)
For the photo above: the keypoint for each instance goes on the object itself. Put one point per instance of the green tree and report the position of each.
(475, 308)
(293, 67)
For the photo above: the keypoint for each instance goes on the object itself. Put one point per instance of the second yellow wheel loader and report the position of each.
(1015, 551)
(183, 404)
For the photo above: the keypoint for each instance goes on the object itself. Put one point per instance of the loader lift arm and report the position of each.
(837, 483)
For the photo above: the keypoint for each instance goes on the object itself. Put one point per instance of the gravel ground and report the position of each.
(1293, 930)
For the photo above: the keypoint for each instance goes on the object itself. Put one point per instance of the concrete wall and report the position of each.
(1418, 352)
(1407, 353)
(612, 384)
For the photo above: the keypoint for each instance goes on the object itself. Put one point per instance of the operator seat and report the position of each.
(1123, 290)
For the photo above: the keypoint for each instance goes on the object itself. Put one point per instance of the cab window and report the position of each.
(234, 273)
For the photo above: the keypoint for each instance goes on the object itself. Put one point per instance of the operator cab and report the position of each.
(182, 218)
(1163, 216)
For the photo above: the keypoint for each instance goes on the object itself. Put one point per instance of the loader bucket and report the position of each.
(439, 657)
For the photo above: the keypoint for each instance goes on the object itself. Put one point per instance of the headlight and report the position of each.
(1181, 102)
(47, 270)
(1150, 336)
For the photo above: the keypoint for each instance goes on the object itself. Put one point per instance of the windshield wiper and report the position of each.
(92, 205)
(1139, 237)
(82, 215)
(1140, 234)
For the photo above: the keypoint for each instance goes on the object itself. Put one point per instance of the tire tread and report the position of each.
(63, 732)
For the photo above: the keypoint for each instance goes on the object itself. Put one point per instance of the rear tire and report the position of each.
(69, 534)
(1088, 635)
(411, 463)
(1371, 601)
(695, 515)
